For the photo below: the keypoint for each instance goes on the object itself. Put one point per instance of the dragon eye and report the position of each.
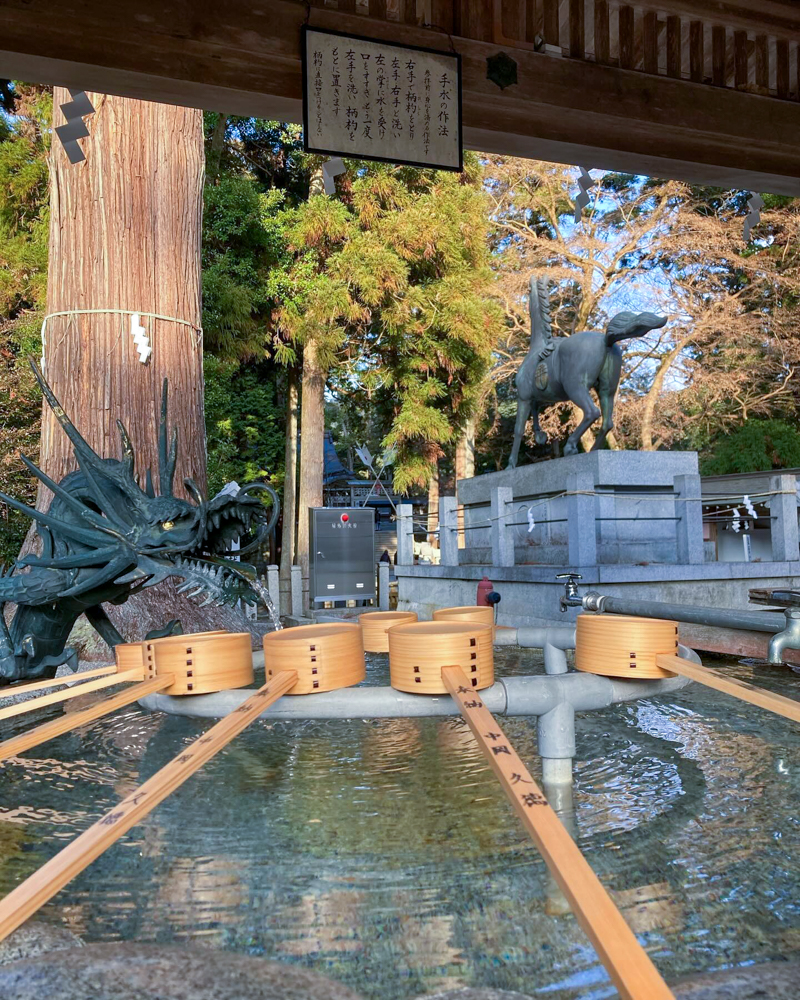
(166, 525)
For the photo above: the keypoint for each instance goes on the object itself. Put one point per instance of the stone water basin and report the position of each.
(383, 853)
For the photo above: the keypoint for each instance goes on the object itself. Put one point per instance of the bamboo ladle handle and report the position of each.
(26, 899)
(628, 964)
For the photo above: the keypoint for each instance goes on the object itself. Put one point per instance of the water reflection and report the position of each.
(384, 853)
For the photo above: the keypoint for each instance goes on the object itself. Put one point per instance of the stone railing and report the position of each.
(586, 511)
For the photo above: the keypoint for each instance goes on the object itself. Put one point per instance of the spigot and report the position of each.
(789, 638)
(570, 598)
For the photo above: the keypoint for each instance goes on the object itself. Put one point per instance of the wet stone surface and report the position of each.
(141, 972)
(470, 994)
(383, 855)
(770, 981)
(34, 939)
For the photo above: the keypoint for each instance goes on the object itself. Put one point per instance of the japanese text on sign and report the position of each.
(372, 100)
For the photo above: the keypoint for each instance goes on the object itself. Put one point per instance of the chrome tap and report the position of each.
(570, 598)
(789, 638)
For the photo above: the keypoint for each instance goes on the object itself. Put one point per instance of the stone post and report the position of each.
(448, 531)
(502, 535)
(581, 526)
(783, 510)
(405, 534)
(274, 586)
(297, 591)
(689, 526)
(383, 586)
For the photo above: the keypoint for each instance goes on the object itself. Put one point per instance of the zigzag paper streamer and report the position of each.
(755, 203)
(585, 182)
(140, 338)
(75, 128)
(330, 169)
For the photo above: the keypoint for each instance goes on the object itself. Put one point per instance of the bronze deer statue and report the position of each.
(556, 370)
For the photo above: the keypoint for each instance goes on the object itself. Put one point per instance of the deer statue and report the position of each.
(567, 368)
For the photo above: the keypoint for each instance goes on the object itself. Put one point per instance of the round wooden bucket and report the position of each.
(201, 662)
(325, 656)
(469, 613)
(129, 656)
(417, 653)
(374, 626)
(622, 646)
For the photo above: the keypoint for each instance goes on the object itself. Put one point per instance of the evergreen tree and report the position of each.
(25, 113)
(391, 282)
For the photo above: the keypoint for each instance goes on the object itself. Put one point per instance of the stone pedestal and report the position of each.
(604, 507)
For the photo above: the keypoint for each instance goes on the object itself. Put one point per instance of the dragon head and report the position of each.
(109, 530)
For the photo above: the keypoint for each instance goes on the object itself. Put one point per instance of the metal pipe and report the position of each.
(789, 638)
(553, 642)
(533, 695)
(755, 621)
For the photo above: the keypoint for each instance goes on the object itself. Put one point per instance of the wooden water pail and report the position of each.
(129, 656)
(417, 653)
(325, 656)
(201, 662)
(468, 613)
(374, 625)
(623, 646)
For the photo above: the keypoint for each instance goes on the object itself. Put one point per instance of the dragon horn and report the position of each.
(85, 454)
(194, 492)
(148, 484)
(166, 460)
(94, 538)
(71, 501)
(128, 454)
(89, 461)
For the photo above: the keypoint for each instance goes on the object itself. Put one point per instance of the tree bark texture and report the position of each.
(312, 432)
(465, 469)
(125, 233)
(433, 507)
(288, 532)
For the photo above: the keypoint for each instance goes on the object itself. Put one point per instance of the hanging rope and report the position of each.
(119, 312)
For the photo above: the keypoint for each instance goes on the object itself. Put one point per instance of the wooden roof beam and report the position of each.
(243, 58)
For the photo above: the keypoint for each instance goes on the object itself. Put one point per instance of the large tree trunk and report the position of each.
(312, 433)
(288, 532)
(465, 468)
(433, 506)
(125, 232)
(654, 394)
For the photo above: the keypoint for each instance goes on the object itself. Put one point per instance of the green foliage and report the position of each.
(20, 410)
(243, 242)
(245, 434)
(391, 282)
(755, 446)
(24, 140)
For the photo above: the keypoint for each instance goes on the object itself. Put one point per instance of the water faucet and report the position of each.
(570, 598)
(789, 638)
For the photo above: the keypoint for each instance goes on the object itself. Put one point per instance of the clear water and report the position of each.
(383, 854)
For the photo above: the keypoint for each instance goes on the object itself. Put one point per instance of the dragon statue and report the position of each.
(104, 539)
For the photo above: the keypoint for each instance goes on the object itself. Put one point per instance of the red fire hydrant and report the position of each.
(485, 587)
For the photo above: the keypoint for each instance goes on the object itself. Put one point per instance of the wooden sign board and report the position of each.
(373, 100)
